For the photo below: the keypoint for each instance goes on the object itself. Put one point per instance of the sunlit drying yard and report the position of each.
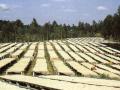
(59, 44)
(86, 62)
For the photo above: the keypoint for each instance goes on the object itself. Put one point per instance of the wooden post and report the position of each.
(33, 73)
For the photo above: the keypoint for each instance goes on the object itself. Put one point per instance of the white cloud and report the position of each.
(70, 10)
(45, 5)
(102, 8)
(7, 8)
(4, 7)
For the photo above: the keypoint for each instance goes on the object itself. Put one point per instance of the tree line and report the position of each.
(16, 31)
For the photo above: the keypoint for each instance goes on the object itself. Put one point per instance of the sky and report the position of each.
(63, 11)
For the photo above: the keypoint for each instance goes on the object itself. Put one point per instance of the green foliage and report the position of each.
(104, 76)
(12, 31)
(49, 63)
